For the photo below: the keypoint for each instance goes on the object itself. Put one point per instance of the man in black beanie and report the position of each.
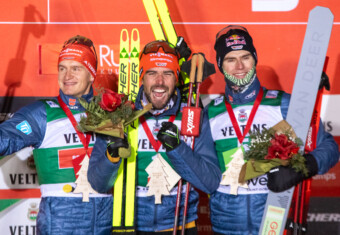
(245, 106)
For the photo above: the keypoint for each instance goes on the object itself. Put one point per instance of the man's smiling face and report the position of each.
(159, 85)
(73, 78)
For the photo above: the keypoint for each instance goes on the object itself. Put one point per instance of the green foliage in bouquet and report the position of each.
(109, 113)
(270, 148)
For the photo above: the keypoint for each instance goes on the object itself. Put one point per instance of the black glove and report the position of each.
(169, 136)
(115, 143)
(283, 177)
(182, 48)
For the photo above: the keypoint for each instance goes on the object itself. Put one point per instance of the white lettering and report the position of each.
(190, 124)
(326, 177)
(323, 217)
(107, 55)
(171, 132)
(309, 138)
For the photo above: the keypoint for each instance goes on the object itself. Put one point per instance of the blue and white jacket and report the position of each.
(191, 166)
(241, 214)
(44, 126)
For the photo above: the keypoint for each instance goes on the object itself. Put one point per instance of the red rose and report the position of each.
(110, 100)
(281, 147)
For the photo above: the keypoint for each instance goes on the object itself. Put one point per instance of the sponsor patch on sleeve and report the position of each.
(52, 104)
(218, 100)
(24, 127)
(272, 94)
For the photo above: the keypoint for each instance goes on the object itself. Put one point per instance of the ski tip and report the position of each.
(322, 12)
(124, 35)
(135, 35)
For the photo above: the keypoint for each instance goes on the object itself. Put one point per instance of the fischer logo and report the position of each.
(323, 217)
(190, 124)
(274, 5)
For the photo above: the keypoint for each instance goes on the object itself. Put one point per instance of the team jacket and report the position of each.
(192, 167)
(242, 213)
(44, 126)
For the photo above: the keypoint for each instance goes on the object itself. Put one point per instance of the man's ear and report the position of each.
(92, 79)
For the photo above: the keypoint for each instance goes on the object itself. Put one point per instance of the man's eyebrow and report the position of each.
(249, 54)
(233, 57)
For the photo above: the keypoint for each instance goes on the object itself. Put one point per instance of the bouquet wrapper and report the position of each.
(283, 126)
(254, 168)
(106, 127)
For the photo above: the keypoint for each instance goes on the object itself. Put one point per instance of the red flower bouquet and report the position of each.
(109, 113)
(276, 146)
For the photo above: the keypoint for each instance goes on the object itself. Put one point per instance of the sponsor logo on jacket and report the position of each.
(24, 127)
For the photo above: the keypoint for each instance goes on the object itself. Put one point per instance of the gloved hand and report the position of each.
(182, 48)
(118, 147)
(282, 178)
(169, 136)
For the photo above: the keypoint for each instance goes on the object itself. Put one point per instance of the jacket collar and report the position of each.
(249, 95)
(73, 102)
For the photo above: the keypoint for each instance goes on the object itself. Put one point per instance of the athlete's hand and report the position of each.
(182, 48)
(118, 147)
(169, 136)
(282, 178)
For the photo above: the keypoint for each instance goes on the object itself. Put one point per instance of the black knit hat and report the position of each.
(233, 38)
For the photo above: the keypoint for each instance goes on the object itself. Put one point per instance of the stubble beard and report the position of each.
(158, 105)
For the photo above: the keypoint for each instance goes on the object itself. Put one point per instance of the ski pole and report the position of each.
(179, 189)
(200, 62)
(178, 203)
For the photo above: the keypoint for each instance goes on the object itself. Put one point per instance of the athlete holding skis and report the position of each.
(159, 71)
(236, 59)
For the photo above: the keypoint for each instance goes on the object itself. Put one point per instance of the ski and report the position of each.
(300, 111)
(152, 13)
(132, 132)
(123, 221)
(122, 89)
(297, 215)
(162, 26)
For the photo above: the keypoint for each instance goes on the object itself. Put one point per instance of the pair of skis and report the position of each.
(123, 221)
(301, 108)
(162, 26)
